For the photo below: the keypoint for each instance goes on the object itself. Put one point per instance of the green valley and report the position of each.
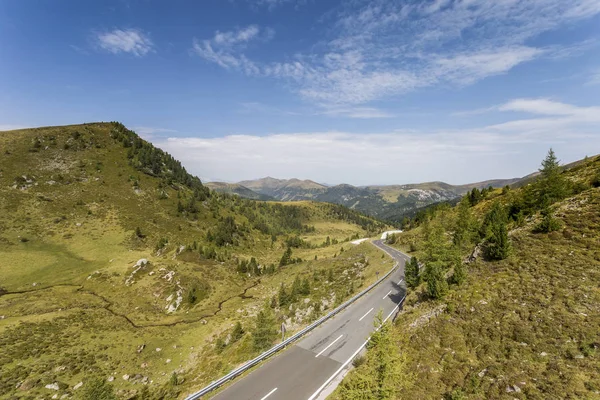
(119, 268)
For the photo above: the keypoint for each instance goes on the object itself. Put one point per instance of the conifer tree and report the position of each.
(296, 289)
(265, 330)
(286, 258)
(436, 281)
(283, 296)
(460, 272)
(305, 289)
(383, 375)
(413, 278)
(552, 186)
(237, 333)
(464, 226)
(497, 245)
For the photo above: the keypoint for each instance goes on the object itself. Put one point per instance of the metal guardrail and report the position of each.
(219, 382)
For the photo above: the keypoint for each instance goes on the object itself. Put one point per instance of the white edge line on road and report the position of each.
(345, 364)
(320, 389)
(367, 313)
(330, 344)
(388, 293)
(268, 394)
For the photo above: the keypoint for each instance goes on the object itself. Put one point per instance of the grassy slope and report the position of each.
(67, 221)
(525, 327)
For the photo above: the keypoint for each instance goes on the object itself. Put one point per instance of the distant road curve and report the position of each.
(305, 369)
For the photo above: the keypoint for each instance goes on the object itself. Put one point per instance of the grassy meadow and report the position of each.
(108, 270)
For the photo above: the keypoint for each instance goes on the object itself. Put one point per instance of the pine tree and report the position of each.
(253, 267)
(237, 333)
(436, 281)
(497, 245)
(330, 278)
(286, 258)
(265, 330)
(464, 226)
(460, 272)
(305, 289)
(413, 278)
(436, 246)
(552, 186)
(384, 373)
(296, 289)
(283, 296)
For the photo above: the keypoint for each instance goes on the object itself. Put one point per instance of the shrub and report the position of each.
(98, 389)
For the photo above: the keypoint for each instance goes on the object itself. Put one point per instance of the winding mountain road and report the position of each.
(304, 370)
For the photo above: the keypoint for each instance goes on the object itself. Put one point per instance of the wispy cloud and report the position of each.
(415, 155)
(148, 132)
(594, 78)
(225, 48)
(358, 112)
(272, 4)
(132, 41)
(384, 48)
(254, 107)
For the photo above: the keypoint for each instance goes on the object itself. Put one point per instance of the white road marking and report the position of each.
(330, 344)
(400, 281)
(367, 313)
(268, 394)
(345, 364)
(388, 293)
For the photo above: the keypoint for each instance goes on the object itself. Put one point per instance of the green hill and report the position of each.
(524, 322)
(237, 189)
(118, 264)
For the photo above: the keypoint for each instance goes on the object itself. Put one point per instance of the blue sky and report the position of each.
(361, 92)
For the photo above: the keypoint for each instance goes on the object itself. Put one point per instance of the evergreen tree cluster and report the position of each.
(254, 268)
(226, 233)
(300, 287)
(476, 195)
(287, 259)
(155, 162)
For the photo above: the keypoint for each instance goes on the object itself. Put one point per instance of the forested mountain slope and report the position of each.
(504, 302)
(388, 202)
(123, 272)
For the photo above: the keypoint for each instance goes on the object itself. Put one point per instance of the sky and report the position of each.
(359, 92)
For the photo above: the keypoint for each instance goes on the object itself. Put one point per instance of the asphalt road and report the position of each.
(302, 371)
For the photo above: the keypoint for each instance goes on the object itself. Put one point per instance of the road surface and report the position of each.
(303, 370)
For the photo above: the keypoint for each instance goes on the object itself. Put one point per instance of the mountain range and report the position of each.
(388, 202)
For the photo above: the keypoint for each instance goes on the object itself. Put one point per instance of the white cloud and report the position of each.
(594, 78)
(472, 67)
(148, 132)
(240, 36)
(225, 48)
(504, 150)
(132, 41)
(358, 112)
(383, 48)
(272, 4)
